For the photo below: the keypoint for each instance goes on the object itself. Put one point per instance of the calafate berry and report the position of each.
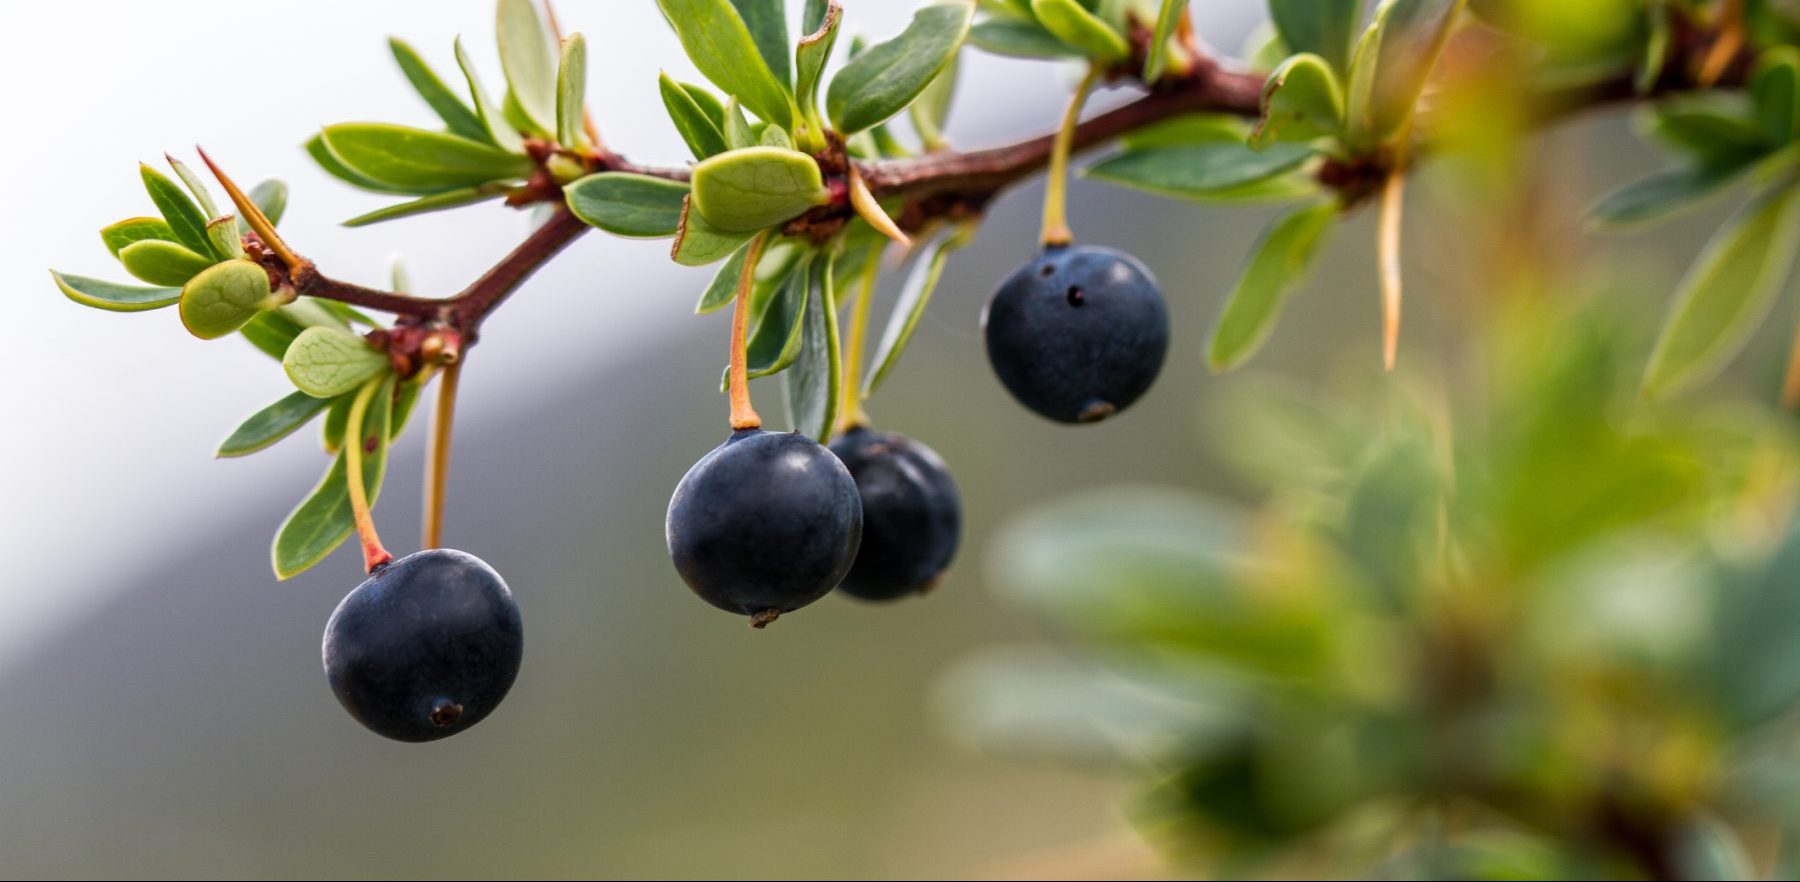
(1078, 333)
(912, 516)
(764, 524)
(426, 647)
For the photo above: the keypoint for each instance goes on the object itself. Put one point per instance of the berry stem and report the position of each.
(1056, 193)
(851, 414)
(1727, 43)
(743, 416)
(374, 555)
(437, 456)
(1393, 191)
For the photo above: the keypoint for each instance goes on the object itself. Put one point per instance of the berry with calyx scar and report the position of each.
(1078, 333)
(764, 524)
(426, 647)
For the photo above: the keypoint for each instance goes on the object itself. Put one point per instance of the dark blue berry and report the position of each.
(1078, 333)
(912, 516)
(426, 647)
(764, 524)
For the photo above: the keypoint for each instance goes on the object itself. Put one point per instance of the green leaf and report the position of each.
(720, 45)
(909, 307)
(1726, 293)
(756, 187)
(776, 335)
(635, 206)
(1168, 15)
(324, 520)
(773, 136)
(331, 433)
(1197, 170)
(227, 236)
(194, 185)
(224, 296)
(529, 63)
(698, 128)
(1395, 58)
(1300, 102)
(136, 229)
(1713, 127)
(698, 243)
(328, 161)
(767, 22)
(270, 197)
(1322, 27)
(810, 58)
(815, 385)
(739, 133)
(271, 424)
(458, 117)
(571, 94)
(1755, 658)
(1073, 24)
(426, 204)
(1187, 129)
(1661, 195)
(1775, 89)
(106, 295)
(184, 217)
(422, 162)
(1278, 263)
(1019, 39)
(931, 109)
(880, 83)
(326, 362)
(723, 288)
(406, 396)
(163, 263)
(500, 133)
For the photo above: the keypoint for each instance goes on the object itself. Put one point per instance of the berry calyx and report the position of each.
(1077, 333)
(764, 524)
(426, 647)
(912, 515)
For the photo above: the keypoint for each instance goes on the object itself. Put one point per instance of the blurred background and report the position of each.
(166, 714)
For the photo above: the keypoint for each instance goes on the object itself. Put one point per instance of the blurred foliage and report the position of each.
(1519, 625)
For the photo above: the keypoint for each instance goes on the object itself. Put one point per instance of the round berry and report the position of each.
(912, 516)
(1078, 333)
(426, 647)
(764, 524)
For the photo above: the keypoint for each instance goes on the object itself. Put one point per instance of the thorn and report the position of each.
(253, 215)
(870, 210)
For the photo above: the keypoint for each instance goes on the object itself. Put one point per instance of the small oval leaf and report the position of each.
(634, 206)
(163, 263)
(223, 297)
(326, 362)
(753, 188)
(136, 229)
(101, 294)
(271, 424)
